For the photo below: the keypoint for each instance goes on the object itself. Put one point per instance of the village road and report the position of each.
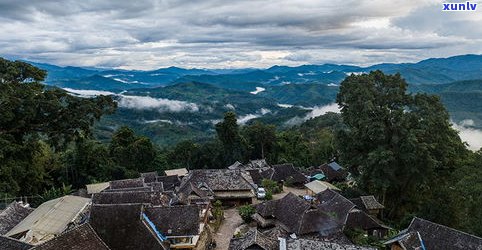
(228, 226)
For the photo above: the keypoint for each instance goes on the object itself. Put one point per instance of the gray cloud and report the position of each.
(213, 33)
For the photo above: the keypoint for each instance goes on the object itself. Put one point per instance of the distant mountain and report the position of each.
(95, 82)
(430, 71)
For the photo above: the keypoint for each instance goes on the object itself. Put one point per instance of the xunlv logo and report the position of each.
(459, 6)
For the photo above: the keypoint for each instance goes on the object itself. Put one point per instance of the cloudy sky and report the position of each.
(148, 34)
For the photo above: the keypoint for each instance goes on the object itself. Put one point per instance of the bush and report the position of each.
(269, 195)
(246, 212)
(271, 186)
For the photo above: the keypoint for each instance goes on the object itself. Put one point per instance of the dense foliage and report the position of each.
(403, 149)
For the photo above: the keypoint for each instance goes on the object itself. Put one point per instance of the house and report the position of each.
(316, 186)
(82, 237)
(137, 226)
(121, 227)
(285, 174)
(13, 214)
(295, 215)
(348, 215)
(231, 187)
(332, 171)
(253, 240)
(192, 193)
(181, 172)
(13, 244)
(424, 234)
(50, 219)
(182, 226)
(305, 244)
(369, 204)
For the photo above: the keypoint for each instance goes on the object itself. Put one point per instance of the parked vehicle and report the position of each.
(261, 193)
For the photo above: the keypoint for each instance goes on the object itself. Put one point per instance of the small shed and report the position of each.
(317, 186)
(181, 172)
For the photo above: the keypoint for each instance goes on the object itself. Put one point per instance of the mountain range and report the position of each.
(173, 104)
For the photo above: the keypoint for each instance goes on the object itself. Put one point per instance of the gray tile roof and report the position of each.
(285, 172)
(305, 244)
(82, 237)
(149, 176)
(13, 214)
(8, 243)
(253, 239)
(150, 197)
(175, 220)
(436, 236)
(370, 202)
(127, 183)
(217, 179)
(299, 216)
(335, 204)
(121, 228)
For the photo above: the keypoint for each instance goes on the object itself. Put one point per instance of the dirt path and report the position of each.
(225, 233)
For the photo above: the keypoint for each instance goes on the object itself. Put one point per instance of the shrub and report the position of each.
(246, 212)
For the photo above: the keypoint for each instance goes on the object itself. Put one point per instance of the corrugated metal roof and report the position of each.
(97, 187)
(334, 166)
(178, 172)
(317, 186)
(50, 218)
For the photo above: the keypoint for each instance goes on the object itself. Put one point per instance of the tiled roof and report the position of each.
(298, 216)
(330, 173)
(149, 176)
(284, 172)
(305, 244)
(436, 236)
(121, 227)
(127, 183)
(175, 220)
(217, 179)
(82, 237)
(8, 243)
(150, 197)
(367, 202)
(13, 214)
(335, 204)
(359, 219)
(169, 182)
(253, 239)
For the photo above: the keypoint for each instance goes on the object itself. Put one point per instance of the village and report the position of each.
(244, 206)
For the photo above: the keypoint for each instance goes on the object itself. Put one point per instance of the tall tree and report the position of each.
(396, 144)
(36, 123)
(262, 138)
(234, 146)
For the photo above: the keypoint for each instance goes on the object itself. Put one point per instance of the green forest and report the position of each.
(396, 145)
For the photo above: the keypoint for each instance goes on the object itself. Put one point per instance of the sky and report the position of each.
(148, 34)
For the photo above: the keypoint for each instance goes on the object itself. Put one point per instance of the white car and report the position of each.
(261, 193)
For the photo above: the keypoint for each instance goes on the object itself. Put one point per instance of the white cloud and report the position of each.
(142, 102)
(88, 93)
(231, 34)
(284, 105)
(147, 102)
(258, 89)
(472, 136)
(315, 112)
(319, 111)
(245, 118)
